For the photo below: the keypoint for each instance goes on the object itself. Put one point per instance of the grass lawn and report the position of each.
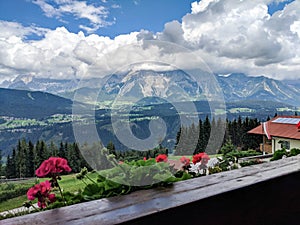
(177, 157)
(67, 183)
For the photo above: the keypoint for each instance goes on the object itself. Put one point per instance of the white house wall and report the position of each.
(293, 143)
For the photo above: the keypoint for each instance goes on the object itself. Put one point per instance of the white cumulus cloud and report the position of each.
(96, 15)
(230, 36)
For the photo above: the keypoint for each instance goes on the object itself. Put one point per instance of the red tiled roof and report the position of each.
(283, 130)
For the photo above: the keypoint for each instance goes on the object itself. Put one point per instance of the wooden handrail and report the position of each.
(123, 209)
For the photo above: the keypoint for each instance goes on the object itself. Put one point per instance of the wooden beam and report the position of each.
(123, 209)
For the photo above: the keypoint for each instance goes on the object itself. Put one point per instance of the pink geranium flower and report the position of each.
(53, 166)
(41, 191)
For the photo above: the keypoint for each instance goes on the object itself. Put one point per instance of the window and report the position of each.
(285, 144)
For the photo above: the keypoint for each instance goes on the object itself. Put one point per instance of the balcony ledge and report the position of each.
(204, 195)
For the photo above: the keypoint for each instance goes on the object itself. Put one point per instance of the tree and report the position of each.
(1, 166)
(30, 167)
(228, 147)
(111, 148)
(40, 153)
(11, 165)
(206, 131)
(21, 158)
(201, 142)
(53, 150)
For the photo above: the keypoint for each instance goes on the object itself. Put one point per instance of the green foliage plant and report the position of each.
(279, 154)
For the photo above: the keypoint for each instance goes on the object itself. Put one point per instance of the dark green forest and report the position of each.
(235, 132)
(26, 156)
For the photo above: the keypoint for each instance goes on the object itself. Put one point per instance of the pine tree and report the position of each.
(8, 167)
(12, 169)
(21, 158)
(206, 131)
(61, 151)
(1, 166)
(111, 148)
(40, 153)
(201, 142)
(53, 150)
(193, 136)
(30, 160)
(178, 137)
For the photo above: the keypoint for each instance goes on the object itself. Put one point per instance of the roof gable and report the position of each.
(280, 126)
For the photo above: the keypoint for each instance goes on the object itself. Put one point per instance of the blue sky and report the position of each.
(66, 38)
(125, 15)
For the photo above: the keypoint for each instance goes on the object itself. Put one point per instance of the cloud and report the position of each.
(13, 29)
(243, 34)
(96, 15)
(115, 6)
(230, 36)
(136, 2)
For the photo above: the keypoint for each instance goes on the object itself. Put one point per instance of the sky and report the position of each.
(89, 38)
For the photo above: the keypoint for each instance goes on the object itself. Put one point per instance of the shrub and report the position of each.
(279, 154)
(242, 154)
(227, 148)
(250, 163)
(294, 152)
(16, 192)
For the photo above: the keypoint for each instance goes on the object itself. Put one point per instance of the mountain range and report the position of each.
(32, 104)
(174, 85)
(36, 115)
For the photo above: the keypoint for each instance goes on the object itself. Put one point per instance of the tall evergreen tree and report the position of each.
(53, 150)
(8, 167)
(206, 130)
(30, 160)
(12, 169)
(201, 142)
(61, 151)
(21, 158)
(111, 148)
(1, 164)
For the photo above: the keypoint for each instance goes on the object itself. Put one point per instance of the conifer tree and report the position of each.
(206, 130)
(12, 169)
(1, 164)
(21, 158)
(30, 160)
(61, 151)
(111, 148)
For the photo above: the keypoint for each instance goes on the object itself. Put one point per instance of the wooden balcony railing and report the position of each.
(267, 193)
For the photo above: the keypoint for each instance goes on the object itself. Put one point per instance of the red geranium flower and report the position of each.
(197, 158)
(205, 159)
(42, 192)
(161, 158)
(201, 157)
(53, 166)
(145, 159)
(185, 161)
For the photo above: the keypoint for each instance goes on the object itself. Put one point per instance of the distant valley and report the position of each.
(35, 114)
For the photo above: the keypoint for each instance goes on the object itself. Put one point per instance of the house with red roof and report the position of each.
(278, 133)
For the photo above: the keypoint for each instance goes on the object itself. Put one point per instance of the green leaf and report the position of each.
(92, 189)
